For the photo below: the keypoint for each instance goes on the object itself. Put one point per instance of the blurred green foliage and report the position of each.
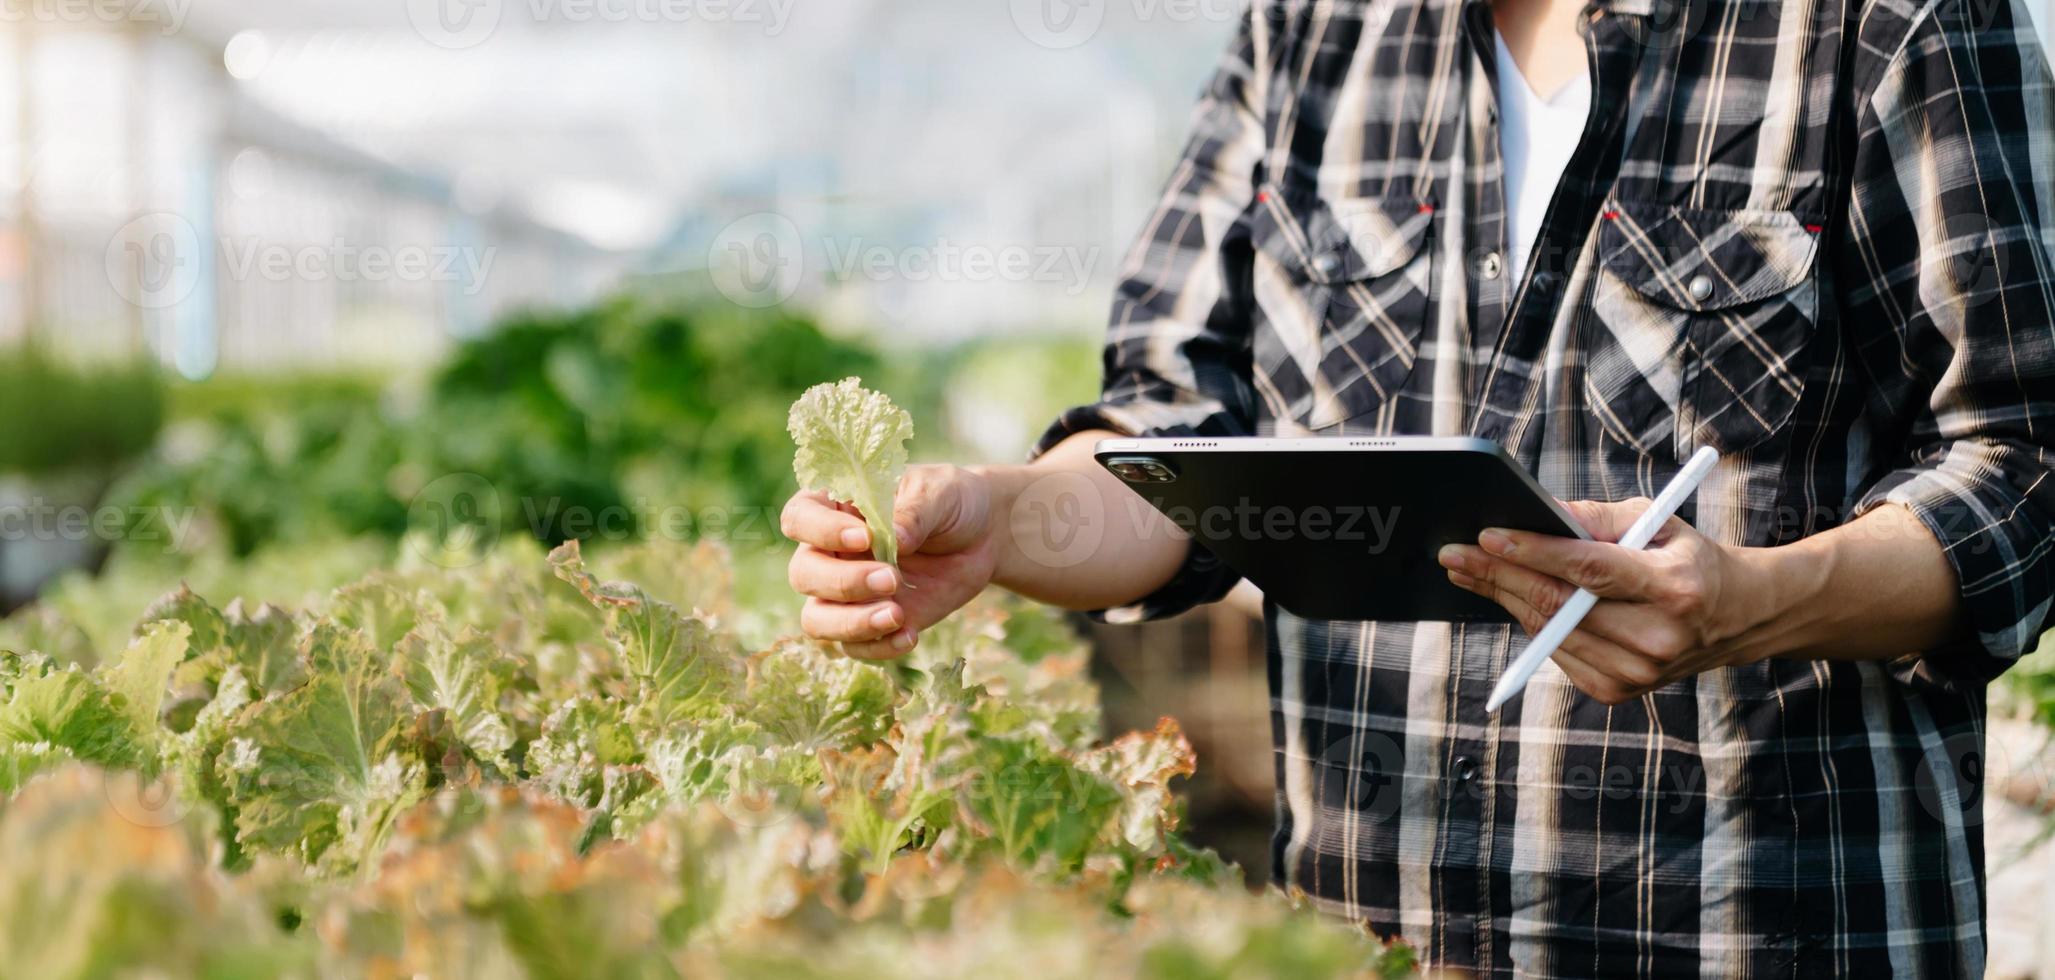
(57, 416)
(624, 409)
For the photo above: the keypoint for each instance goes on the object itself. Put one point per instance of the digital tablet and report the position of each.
(1342, 528)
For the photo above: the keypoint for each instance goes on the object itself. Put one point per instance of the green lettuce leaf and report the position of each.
(317, 767)
(462, 676)
(69, 710)
(138, 681)
(681, 666)
(852, 444)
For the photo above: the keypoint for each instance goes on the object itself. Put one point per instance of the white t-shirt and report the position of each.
(1536, 137)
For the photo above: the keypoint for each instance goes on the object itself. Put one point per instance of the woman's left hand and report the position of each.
(1683, 606)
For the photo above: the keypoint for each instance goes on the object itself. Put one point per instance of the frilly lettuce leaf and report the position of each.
(681, 667)
(317, 767)
(69, 710)
(852, 444)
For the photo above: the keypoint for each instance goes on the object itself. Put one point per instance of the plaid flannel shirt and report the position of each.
(1814, 234)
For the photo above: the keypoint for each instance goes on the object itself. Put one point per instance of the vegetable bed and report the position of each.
(549, 766)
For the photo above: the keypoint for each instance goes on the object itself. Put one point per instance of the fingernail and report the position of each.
(1451, 557)
(904, 640)
(886, 619)
(854, 539)
(1462, 581)
(1496, 541)
(881, 581)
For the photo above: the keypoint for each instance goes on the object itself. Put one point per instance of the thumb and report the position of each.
(937, 511)
(1606, 521)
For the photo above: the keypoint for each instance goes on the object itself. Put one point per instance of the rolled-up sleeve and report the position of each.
(1177, 343)
(1947, 278)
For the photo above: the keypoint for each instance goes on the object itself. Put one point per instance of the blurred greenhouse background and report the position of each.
(285, 269)
(278, 278)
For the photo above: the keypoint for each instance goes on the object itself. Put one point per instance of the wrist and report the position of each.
(1779, 610)
(1002, 486)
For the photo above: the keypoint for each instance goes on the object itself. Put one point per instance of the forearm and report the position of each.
(1071, 534)
(1876, 588)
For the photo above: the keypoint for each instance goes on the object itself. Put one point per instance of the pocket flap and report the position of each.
(1706, 260)
(1339, 242)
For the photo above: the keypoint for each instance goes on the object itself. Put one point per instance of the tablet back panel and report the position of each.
(1351, 534)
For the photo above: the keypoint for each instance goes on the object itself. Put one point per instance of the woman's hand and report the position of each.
(1684, 606)
(947, 555)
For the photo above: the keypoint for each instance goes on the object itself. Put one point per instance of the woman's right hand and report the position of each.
(947, 554)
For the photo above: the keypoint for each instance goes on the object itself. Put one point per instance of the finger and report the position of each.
(851, 622)
(1630, 671)
(1504, 582)
(1631, 625)
(817, 573)
(1595, 649)
(1595, 683)
(1609, 522)
(890, 648)
(928, 508)
(1607, 570)
(811, 518)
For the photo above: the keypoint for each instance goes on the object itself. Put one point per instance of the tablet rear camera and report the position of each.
(1141, 470)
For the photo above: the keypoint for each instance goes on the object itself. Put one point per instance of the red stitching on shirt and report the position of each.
(1815, 229)
(1610, 215)
(1426, 209)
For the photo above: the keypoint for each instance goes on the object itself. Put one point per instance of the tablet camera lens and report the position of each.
(1141, 471)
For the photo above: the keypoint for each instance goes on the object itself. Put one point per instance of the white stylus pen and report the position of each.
(1573, 612)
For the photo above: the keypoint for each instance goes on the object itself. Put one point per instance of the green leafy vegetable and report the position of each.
(852, 444)
(519, 768)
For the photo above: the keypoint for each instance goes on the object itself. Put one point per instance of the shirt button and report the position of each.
(1465, 768)
(1701, 288)
(1489, 266)
(1327, 264)
(1545, 280)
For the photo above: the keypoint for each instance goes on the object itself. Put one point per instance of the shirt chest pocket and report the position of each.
(1342, 292)
(1698, 326)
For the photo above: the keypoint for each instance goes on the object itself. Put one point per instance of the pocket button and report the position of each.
(1701, 287)
(1327, 264)
(1489, 266)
